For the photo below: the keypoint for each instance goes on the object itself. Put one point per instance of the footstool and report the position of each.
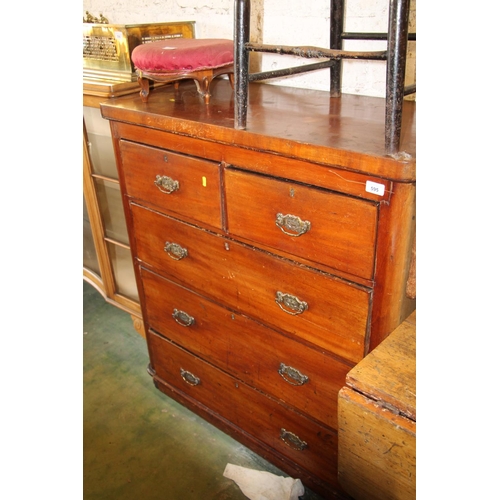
(183, 58)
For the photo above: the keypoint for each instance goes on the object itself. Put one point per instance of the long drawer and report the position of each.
(307, 443)
(182, 185)
(315, 306)
(263, 358)
(336, 230)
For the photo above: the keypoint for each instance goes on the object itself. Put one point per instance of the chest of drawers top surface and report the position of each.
(295, 123)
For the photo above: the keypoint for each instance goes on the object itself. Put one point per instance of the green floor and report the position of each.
(138, 443)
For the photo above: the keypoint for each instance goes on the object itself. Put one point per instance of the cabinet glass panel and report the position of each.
(89, 252)
(123, 270)
(100, 143)
(111, 208)
(101, 155)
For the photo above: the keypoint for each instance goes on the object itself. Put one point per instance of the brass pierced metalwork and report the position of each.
(107, 47)
(100, 48)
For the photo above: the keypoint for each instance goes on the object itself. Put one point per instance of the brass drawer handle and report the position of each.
(183, 318)
(290, 304)
(189, 378)
(292, 440)
(175, 251)
(292, 375)
(292, 223)
(166, 184)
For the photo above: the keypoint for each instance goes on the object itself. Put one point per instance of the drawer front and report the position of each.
(322, 226)
(264, 359)
(314, 306)
(177, 184)
(310, 445)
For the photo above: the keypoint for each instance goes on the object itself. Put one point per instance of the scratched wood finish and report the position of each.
(377, 420)
(377, 450)
(388, 373)
(297, 123)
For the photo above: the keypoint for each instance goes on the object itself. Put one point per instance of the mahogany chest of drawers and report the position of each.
(269, 261)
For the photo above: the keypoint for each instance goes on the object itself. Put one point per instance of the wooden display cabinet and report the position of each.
(107, 261)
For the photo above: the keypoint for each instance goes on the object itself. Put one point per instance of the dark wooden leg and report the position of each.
(203, 79)
(396, 61)
(336, 30)
(205, 88)
(144, 83)
(241, 61)
(231, 79)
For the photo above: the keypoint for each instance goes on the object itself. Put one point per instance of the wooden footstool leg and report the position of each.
(144, 83)
(203, 82)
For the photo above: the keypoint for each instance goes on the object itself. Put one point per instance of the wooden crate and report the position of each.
(377, 421)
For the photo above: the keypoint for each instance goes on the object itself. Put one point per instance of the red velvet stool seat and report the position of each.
(183, 58)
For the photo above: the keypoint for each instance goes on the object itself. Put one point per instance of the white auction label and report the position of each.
(375, 188)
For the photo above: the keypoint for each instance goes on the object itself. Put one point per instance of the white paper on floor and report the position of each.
(262, 485)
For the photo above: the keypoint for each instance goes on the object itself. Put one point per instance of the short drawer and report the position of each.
(307, 443)
(314, 306)
(336, 230)
(182, 185)
(263, 358)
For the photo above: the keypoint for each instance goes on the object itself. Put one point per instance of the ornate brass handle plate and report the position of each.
(292, 375)
(175, 251)
(183, 318)
(166, 184)
(292, 225)
(290, 304)
(292, 440)
(189, 378)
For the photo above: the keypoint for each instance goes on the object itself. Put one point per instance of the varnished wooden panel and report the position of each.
(342, 229)
(326, 175)
(247, 279)
(246, 349)
(198, 195)
(262, 417)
